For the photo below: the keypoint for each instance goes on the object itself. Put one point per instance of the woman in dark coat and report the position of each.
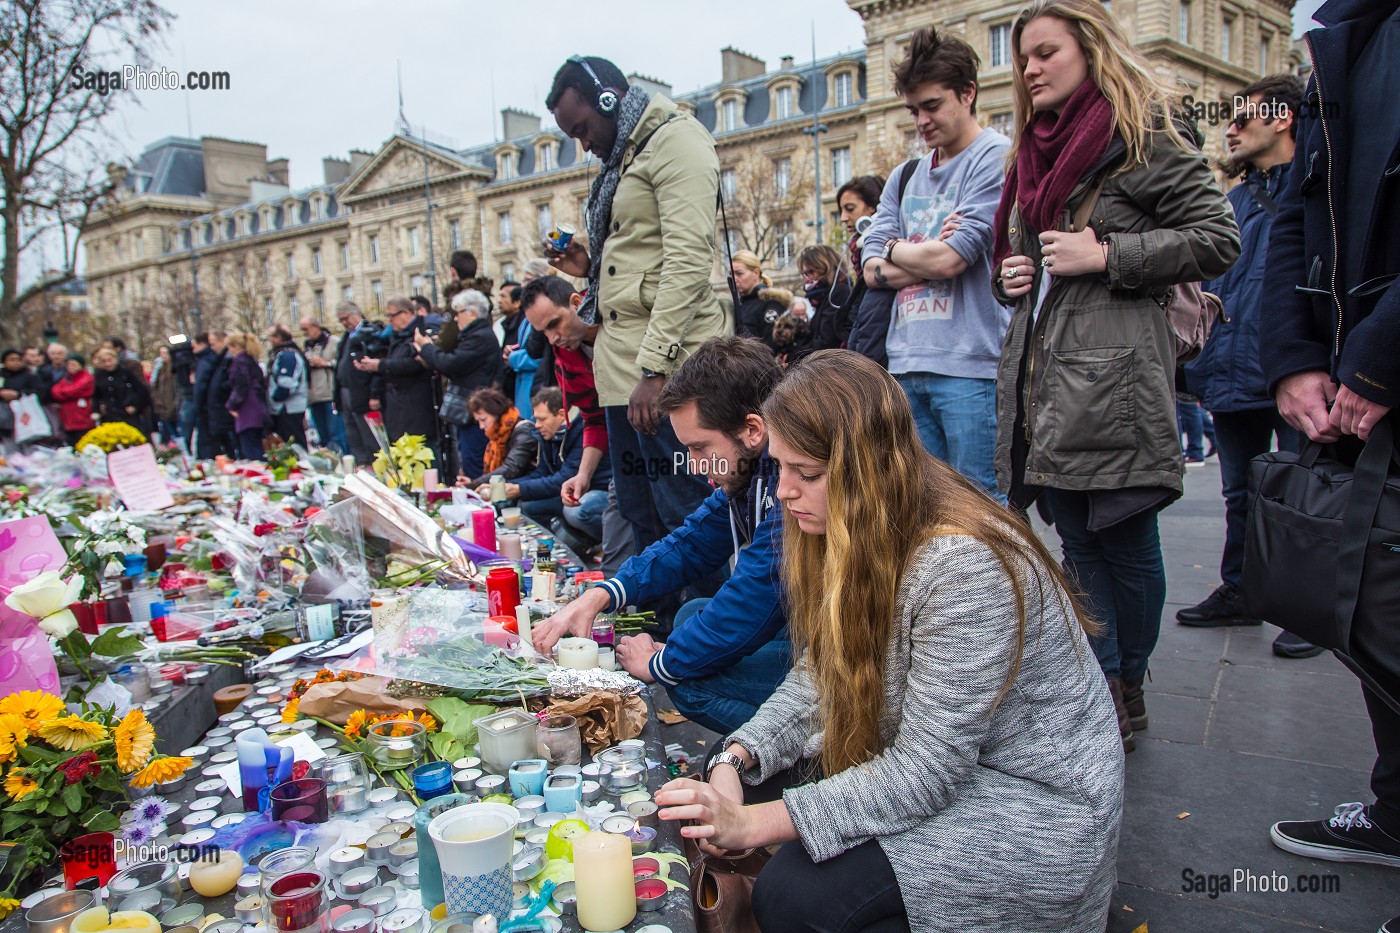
(473, 363)
(512, 441)
(829, 292)
(118, 394)
(247, 394)
(757, 311)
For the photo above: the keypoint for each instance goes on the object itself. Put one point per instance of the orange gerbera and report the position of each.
(355, 723)
(13, 735)
(428, 722)
(135, 739)
(160, 771)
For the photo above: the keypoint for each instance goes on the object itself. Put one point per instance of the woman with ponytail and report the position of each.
(758, 305)
(946, 747)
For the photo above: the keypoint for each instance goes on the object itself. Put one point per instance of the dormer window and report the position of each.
(318, 208)
(843, 89)
(546, 156)
(729, 115)
(506, 167)
(783, 102)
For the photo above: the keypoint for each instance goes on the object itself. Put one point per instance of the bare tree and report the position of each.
(767, 200)
(79, 328)
(54, 99)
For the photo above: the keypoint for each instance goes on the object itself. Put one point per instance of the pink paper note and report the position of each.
(138, 478)
(28, 547)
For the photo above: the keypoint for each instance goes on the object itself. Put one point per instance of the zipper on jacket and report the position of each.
(1331, 207)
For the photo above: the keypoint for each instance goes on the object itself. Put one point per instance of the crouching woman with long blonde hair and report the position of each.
(948, 747)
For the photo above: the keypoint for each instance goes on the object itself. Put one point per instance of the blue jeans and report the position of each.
(587, 516)
(957, 422)
(187, 419)
(725, 700)
(329, 428)
(1192, 420)
(1240, 436)
(1120, 572)
(471, 449)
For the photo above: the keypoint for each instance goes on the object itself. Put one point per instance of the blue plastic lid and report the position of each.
(432, 779)
(157, 610)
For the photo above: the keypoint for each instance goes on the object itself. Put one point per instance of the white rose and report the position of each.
(44, 595)
(59, 624)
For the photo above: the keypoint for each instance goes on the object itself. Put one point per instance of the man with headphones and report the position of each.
(649, 254)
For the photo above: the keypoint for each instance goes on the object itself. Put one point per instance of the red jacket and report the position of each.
(75, 393)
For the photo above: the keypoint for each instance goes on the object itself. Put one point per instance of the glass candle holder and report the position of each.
(300, 801)
(560, 736)
(347, 783)
(626, 769)
(275, 865)
(145, 886)
(507, 737)
(298, 901)
(54, 914)
(398, 743)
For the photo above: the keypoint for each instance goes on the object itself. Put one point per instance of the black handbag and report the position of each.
(454, 408)
(1322, 553)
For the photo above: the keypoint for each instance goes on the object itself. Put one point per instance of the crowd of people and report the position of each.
(826, 497)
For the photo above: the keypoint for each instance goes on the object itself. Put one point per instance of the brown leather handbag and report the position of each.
(722, 888)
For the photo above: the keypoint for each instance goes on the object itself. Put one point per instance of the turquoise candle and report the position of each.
(429, 871)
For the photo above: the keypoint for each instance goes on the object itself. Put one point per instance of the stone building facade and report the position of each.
(212, 224)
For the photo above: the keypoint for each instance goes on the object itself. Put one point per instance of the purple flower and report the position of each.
(138, 834)
(152, 809)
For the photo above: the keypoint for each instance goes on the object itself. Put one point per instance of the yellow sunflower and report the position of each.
(35, 706)
(72, 733)
(8, 905)
(17, 784)
(355, 723)
(161, 770)
(13, 735)
(289, 712)
(135, 738)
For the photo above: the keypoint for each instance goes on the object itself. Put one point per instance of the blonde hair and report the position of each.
(749, 260)
(102, 354)
(1141, 101)
(886, 496)
(244, 342)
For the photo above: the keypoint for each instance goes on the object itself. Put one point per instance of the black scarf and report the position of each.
(600, 196)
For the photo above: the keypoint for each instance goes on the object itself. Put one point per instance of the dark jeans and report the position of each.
(619, 543)
(1240, 436)
(291, 427)
(1385, 776)
(471, 449)
(727, 699)
(329, 428)
(357, 434)
(1193, 421)
(250, 444)
(169, 431)
(1120, 571)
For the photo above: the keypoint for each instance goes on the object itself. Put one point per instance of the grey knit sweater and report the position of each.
(993, 819)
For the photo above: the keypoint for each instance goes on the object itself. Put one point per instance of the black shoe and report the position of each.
(1288, 645)
(1390, 926)
(1349, 836)
(1223, 607)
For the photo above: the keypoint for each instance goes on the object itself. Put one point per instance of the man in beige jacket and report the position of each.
(648, 259)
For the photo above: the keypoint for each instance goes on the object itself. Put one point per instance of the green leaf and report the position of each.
(114, 643)
(446, 746)
(35, 754)
(76, 644)
(104, 822)
(73, 797)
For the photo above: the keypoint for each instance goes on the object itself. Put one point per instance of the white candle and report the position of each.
(430, 480)
(347, 464)
(603, 881)
(581, 654)
(607, 659)
(522, 625)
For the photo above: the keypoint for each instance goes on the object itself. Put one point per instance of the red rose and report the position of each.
(264, 528)
(79, 767)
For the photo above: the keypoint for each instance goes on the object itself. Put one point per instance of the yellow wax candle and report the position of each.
(603, 881)
(99, 919)
(217, 876)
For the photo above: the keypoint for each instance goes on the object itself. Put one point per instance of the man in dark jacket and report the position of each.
(473, 363)
(223, 436)
(558, 460)
(207, 347)
(407, 389)
(726, 655)
(1331, 340)
(1228, 376)
(354, 388)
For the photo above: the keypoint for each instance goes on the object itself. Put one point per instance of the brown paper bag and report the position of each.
(604, 718)
(334, 702)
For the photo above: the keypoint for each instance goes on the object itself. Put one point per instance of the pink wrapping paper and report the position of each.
(28, 547)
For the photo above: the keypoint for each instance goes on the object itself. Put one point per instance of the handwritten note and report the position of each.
(138, 479)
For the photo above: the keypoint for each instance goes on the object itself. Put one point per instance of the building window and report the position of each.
(294, 306)
(782, 176)
(787, 247)
(267, 309)
(503, 231)
(1184, 22)
(291, 267)
(840, 166)
(347, 293)
(507, 169)
(242, 224)
(545, 157)
(784, 103)
(374, 249)
(266, 270)
(729, 115)
(141, 238)
(1265, 44)
(344, 256)
(843, 88)
(1001, 122)
(728, 184)
(413, 241)
(317, 209)
(454, 230)
(507, 271)
(415, 284)
(316, 260)
(1227, 35)
(218, 276)
(320, 298)
(545, 215)
(1001, 45)
(731, 244)
(376, 290)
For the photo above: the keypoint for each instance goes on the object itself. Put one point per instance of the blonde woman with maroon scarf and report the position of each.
(1086, 414)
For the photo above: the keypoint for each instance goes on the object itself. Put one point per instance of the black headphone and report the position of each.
(607, 98)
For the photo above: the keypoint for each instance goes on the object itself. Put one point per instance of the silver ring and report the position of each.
(1045, 262)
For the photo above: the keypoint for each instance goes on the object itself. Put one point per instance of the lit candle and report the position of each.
(578, 653)
(603, 881)
(217, 876)
(642, 837)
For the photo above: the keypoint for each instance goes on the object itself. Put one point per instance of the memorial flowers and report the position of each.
(117, 435)
(405, 462)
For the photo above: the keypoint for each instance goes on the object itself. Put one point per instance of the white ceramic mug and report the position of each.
(474, 844)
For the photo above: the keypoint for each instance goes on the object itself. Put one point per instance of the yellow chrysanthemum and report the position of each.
(136, 738)
(35, 706)
(72, 733)
(289, 712)
(13, 735)
(17, 784)
(8, 905)
(161, 770)
(355, 723)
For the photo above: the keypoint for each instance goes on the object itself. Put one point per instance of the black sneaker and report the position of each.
(1390, 926)
(1349, 836)
(1288, 645)
(1223, 607)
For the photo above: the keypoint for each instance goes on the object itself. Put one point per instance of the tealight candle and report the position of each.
(634, 796)
(197, 818)
(381, 900)
(580, 654)
(99, 920)
(206, 803)
(382, 797)
(228, 819)
(617, 825)
(402, 828)
(344, 859)
(211, 786)
(592, 791)
(400, 813)
(195, 751)
(463, 764)
(377, 849)
(357, 881)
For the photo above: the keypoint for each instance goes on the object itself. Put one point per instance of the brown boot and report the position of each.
(1136, 706)
(1115, 688)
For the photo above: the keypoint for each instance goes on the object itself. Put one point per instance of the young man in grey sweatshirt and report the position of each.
(945, 328)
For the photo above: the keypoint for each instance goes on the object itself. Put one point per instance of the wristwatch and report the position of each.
(725, 758)
(889, 247)
(651, 373)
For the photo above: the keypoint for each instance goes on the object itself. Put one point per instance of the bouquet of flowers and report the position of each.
(110, 537)
(63, 772)
(117, 435)
(405, 462)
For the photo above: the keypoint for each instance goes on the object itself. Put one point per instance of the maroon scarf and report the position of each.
(1056, 152)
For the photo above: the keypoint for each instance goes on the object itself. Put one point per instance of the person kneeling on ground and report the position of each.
(946, 735)
(560, 453)
(725, 655)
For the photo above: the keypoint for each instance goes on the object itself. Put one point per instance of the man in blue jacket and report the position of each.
(728, 654)
(1331, 341)
(560, 453)
(1228, 376)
